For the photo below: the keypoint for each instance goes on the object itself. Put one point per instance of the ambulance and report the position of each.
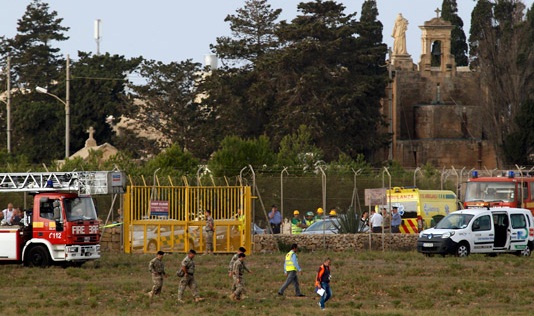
(421, 209)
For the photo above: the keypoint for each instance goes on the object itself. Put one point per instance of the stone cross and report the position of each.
(90, 142)
(437, 12)
(91, 131)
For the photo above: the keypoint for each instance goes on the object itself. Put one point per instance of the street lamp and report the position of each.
(67, 114)
(67, 106)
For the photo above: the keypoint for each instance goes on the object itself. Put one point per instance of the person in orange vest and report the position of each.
(322, 281)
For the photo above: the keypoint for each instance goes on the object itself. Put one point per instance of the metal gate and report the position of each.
(171, 219)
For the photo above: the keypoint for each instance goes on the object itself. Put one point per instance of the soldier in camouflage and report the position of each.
(231, 265)
(157, 269)
(188, 278)
(237, 273)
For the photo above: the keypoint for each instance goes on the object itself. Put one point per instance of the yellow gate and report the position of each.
(171, 219)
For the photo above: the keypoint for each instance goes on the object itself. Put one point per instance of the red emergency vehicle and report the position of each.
(62, 224)
(507, 190)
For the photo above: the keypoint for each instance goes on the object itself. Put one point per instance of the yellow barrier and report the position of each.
(171, 218)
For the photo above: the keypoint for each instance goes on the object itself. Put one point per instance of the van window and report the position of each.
(518, 221)
(482, 223)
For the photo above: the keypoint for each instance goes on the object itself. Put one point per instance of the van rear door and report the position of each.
(519, 231)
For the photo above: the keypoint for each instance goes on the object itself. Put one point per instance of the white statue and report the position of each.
(399, 35)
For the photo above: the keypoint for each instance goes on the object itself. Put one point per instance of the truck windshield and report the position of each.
(454, 221)
(490, 191)
(80, 208)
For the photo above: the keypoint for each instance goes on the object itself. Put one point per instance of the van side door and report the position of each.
(519, 231)
(483, 234)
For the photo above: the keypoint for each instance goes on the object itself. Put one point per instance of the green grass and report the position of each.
(364, 283)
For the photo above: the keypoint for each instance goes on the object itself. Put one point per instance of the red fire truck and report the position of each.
(62, 225)
(506, 190)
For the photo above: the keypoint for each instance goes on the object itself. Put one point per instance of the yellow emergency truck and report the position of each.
(421, 209)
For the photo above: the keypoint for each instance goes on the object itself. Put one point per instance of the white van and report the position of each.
(489, 231)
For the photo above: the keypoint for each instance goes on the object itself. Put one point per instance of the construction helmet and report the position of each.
(309, 214)
(319, 210)
(296, 212)
(332, 213)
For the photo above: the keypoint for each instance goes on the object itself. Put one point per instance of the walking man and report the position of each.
(188, 277)
(209, 228)
(157, 269)
(237, 273)
(235, 257)
(322, 281)
(275, 219)
(291, 267)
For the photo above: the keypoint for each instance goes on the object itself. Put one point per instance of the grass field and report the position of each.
(367, 283)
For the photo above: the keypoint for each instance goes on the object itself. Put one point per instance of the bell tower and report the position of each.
(436, 57)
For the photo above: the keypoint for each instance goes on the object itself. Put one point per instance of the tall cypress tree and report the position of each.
(34, 60)
(481, 19)
(253, 32)
(449, 12)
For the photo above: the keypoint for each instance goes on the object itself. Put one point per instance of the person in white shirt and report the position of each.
(7, 215)
(376, 222)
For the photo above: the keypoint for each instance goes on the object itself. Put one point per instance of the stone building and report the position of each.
(434, 107)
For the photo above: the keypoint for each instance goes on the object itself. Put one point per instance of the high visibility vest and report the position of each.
(309, 222)
(295, 230)
(241, 218)
(289, 264)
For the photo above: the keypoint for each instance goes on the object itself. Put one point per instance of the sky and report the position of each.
(176, 30)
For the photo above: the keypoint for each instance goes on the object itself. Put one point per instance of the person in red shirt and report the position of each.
(322, 281)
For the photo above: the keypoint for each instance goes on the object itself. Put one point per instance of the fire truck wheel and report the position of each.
(37, 257)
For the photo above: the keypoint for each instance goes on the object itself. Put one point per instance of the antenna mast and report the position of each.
(97, 35)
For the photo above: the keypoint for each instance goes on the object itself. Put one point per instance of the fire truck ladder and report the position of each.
(84, 182)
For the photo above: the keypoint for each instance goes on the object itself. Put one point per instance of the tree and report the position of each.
(236, 153)
(298, 149)
(503, 46)
(324, 77)
(449, 12)
(253, 30)
(170, 101)
(35, 62)
(98, 91)
(172, 161)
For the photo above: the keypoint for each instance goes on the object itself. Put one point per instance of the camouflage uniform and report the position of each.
(157, 268)
(234, 259)
(188, 279)
(238, 287)
(209, 234)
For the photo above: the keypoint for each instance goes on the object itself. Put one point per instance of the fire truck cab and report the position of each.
(502, 191)
(62, 224)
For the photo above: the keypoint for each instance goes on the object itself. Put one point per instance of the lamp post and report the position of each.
(8, 104)
(67, 107)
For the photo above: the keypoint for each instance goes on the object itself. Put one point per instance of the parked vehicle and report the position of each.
(490, 231)
(62, 225)
(421, 209)
(506, 190)
(323, 226)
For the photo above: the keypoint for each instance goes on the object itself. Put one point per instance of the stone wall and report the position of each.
(111, 239)
(343, 242)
